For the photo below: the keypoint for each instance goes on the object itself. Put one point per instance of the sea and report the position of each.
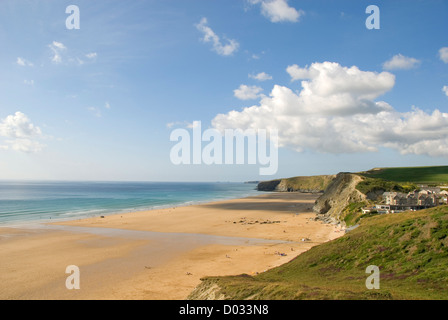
(38, 201)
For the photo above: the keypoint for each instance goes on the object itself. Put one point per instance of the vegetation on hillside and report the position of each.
(310, 184)
(371, 185)
(353, 213)
(410, 248)
(424, 175)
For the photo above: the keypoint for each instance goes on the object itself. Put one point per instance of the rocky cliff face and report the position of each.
(268, 185)
(340, 193)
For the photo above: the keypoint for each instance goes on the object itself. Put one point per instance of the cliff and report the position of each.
(409, 248)
(310, 184)
(338, 195)
(338, 192)
(401, 243)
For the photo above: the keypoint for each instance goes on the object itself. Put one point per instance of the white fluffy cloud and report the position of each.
(92, 55)
(402, 62)
(58, 45)
(210, 36)
(262, 76)
(57, 48)
(445, 89)
(278, 10)
(336, 112)
(329, 88)
(443, 54)
(24, 63)
(20, 133)
(245, 92)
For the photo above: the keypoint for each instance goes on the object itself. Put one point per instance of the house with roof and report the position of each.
(415, 200)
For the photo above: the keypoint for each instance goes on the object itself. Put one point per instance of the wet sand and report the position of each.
(158, 254)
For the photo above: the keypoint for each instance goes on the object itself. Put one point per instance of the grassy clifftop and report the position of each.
(411, 250)
(408, 175)
(303, 184)
(425, 175)
(349, 192)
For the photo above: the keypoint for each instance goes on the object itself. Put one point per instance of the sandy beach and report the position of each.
(158, 254)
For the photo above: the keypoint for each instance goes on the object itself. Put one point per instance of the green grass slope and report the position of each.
(309, 183)
(411, 250)
(425, 175)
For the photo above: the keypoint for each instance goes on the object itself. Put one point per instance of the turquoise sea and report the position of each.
(42, 201)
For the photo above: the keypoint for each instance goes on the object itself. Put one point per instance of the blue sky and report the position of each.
(99, 103)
